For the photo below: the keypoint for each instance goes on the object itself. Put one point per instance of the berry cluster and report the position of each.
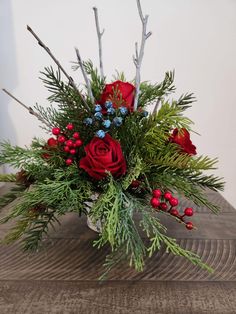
(106, 117)
(166, 202)
(69, 140)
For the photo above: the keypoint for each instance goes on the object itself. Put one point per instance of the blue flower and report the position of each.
(117, 121)
(108, 104)
(98, 108)
(106, 123)
(111, 111)
(98, 115)
(123, 110)
(88, 121)
(100, 134)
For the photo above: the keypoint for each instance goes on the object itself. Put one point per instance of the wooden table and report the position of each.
(62, 277)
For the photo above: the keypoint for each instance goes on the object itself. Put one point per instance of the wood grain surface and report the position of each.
(62, 276)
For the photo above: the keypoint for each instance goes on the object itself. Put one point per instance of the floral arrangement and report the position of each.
(111, 159)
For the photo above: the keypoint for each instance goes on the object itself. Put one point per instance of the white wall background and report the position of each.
(197, 38)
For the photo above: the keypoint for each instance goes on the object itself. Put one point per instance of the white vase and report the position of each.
(95, 226)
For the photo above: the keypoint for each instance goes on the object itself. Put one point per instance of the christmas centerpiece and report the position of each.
(110, 157)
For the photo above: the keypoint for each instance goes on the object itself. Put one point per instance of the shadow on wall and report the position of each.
(8, 71)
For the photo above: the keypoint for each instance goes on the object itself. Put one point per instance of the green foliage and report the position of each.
(150, 93)
(97, 83)
(7, 198)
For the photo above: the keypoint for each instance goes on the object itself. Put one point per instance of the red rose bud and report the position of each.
(69, 143)
(61, 139)
(67, 149)
(72, 151)
(167, 195)
(119, 93)
(189, 225)
(182, 138)
(56, 131)
(188, 211)
(76, 135)
(173, 201)
(70, 126)
(174, 212)
(78, 143)
(69, 161)
(52, 142)
(155, 202)
(156, 193)
(163, 206)
(103, 156)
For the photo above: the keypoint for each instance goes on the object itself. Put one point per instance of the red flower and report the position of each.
(119, 93)
(182, 138)
(103, 155)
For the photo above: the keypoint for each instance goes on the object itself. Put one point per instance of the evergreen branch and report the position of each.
(139, 55)
(11, 196)
(99, 34)
(30, 110)
(11, 177)
(156, 233)
(134, 172)
(80, 62)
(38, 228)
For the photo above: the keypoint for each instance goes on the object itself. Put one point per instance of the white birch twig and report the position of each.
(139, 55)
(99, 33)
(30, 109)
(87, 81)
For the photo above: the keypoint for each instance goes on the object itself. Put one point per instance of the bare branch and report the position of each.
(156, 106)
(71, 81)
(87, 81)
(99, 33)
(30, 109)
(140, 54)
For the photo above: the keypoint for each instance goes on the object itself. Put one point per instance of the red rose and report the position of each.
(103, 155)
(119, 93)
(182, 138)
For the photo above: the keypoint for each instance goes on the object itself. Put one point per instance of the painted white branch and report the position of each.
(99, 33)
(156, 106)
(87, 81)
(139, 55)
(30, 110)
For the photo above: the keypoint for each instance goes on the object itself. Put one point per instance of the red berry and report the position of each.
(174, 212)
(167, 195)
(163, 206)
(155, 202)
(135, 184)
(69, 161)
(189, 225)
(78, 143)
(70, 126)
(52, 142)
(73, 151)
(56, 131)
(67, 149)
(69, 143)
(188, 211)
(76, 135)
(156, 193)
(173, 201)
(61, 139)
